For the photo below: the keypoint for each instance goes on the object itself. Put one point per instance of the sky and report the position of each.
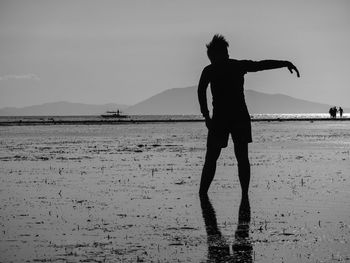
(126, 51)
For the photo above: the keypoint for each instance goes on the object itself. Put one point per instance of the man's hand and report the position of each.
(291, 67)
(208, 122)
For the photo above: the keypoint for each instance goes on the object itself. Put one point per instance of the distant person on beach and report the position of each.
(230, 114)
(340, 112)
(333, 112)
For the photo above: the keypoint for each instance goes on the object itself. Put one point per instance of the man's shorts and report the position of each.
(219, 132)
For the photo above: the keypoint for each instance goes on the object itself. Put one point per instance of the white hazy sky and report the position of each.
(126, 51)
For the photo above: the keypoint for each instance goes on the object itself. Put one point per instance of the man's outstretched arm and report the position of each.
(271, 64)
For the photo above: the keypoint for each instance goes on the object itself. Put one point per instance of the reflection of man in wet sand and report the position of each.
(230, 113)
(218, 248)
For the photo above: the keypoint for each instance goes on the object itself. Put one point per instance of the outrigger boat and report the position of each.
(114, 114)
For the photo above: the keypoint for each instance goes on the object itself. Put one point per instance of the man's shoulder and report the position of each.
(243, 65)
(239, 61)
(230, 62)
(207, 69)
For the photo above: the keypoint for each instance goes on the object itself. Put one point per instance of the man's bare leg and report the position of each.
(241, 152)
(209, 168)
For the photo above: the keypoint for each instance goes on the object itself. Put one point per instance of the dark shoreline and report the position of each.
(130, 121)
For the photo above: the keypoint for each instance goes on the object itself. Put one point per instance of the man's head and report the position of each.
(217, 49)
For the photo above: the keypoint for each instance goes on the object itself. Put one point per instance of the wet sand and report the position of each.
(128, 193)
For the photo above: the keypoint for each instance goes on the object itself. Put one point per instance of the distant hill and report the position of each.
(61, 108)
(185, 101)
(171, 101)
(259, 102)
(174, 101)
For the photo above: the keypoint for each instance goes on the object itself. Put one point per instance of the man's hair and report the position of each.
(217, 47)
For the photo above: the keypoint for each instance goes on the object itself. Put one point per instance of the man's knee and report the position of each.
(212, 154)
(241, 152)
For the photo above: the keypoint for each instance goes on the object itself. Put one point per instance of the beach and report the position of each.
(129, 193)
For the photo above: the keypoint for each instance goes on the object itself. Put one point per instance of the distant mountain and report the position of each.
(171, 101)
(185, 101)
(259, 102)
(61, 108)
(174, 101)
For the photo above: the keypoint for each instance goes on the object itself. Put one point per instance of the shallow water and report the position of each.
(82, 118)
(129, 193)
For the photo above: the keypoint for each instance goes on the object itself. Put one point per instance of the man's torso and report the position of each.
(226, 83)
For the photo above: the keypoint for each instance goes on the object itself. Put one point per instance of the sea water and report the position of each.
(80, 118)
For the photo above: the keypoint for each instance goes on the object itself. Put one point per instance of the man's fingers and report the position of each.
(295, 69)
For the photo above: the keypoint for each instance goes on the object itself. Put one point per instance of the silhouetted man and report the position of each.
(230, 113)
